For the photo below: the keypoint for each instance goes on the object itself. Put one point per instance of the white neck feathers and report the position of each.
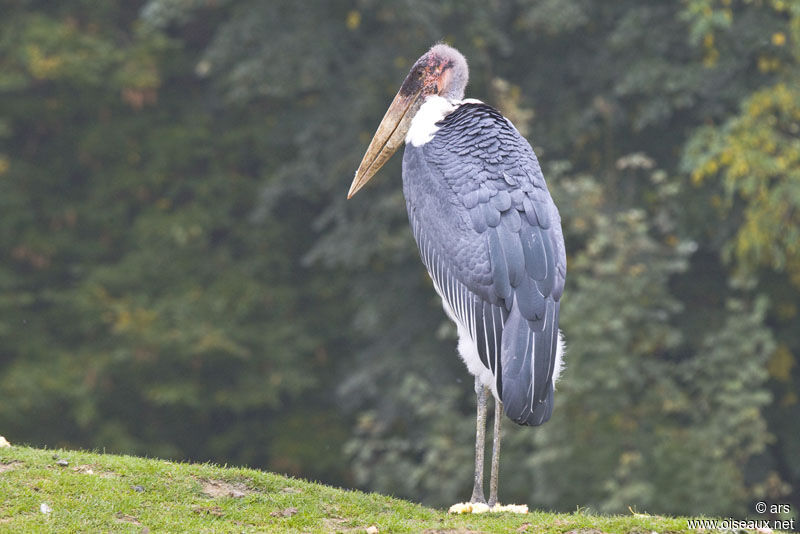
(433, 110)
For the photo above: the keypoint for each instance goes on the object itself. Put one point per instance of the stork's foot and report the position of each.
(482, 507)
(513, 508)
(477, 495)
(469, 508)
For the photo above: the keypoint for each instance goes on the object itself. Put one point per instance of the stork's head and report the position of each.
(442, 71)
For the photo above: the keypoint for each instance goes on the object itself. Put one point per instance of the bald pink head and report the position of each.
(442, 71)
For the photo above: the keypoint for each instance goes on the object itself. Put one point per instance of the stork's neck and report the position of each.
(434, 109)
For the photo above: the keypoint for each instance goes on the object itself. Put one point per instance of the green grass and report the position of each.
(109, 493)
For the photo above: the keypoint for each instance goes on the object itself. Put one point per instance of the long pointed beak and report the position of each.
(387, 139)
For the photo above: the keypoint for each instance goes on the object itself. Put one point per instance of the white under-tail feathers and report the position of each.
(559, 366)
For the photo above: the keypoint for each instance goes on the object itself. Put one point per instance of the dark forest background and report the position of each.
(182, 277)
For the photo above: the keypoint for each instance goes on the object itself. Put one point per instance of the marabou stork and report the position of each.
(489, 235)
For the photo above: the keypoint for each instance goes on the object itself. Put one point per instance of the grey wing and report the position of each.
(490, 236)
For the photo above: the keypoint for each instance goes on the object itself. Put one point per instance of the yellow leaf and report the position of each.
(780, 364)
(353, 20)
(42, 66)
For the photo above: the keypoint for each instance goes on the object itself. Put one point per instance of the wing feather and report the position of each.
(490, 237)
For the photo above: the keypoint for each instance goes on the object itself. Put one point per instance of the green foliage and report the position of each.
(182, 276)
(758, 155)
(745, 167)
(144, 308)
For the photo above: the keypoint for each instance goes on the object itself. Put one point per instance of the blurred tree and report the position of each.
(145, 310)
(747, 166)
(182, 275)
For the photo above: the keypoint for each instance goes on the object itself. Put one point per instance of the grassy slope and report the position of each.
(103, 492)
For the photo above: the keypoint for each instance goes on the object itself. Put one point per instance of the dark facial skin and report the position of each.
(429, 75)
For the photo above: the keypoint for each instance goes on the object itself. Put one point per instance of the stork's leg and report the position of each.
(480, 441)
(498, 418)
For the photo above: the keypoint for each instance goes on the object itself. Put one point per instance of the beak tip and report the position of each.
(387, 139)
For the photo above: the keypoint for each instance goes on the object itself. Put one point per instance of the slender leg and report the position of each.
(480, 442)
(498, 418)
